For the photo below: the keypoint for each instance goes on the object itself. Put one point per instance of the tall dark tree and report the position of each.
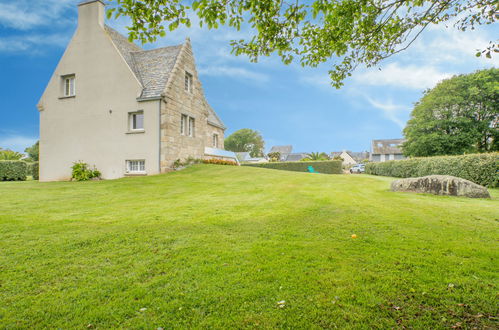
(33, 151)
(351, 32)
(245, 140)
(460, 115)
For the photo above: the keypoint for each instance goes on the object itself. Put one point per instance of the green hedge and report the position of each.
(482, 169)
(327, 167)
(12, 170)
(35, 170)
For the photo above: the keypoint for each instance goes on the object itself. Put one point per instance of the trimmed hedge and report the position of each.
(35, 170)
(13, 170)
(326, 167)
(482, 169)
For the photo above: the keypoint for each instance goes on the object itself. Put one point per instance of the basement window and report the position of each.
(68, 85)
(136, 166)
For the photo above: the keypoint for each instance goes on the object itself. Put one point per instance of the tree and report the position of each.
(33, 151)
(353, 32)
(274, 156)
(316, 156)
(459, 115)
(245, 140)
(6, 154)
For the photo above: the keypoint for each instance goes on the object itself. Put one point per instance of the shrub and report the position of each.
(219, 162)
(482, 169)
(327, 166)
(13, 170)
(32, 169)
(81, 172)
(35, 170)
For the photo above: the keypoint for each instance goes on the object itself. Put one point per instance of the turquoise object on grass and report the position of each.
(311, 170)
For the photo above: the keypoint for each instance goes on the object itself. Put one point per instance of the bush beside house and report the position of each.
(327, 167)
(13, 170)
(482, 169)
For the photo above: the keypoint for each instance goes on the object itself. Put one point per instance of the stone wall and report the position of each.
(180, 102)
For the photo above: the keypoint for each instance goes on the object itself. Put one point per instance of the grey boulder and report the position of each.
(441, 185)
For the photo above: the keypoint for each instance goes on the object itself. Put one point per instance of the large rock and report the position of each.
(441, 185)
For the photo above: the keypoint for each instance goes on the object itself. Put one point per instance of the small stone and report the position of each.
(143, 309)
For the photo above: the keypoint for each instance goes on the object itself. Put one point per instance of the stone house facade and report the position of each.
(126, 110)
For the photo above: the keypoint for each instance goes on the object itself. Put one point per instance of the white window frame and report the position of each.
(69, 85)
(136, 166)
(215, 140)
(188, 82)
(131, 116)
(191, 127)
(184, 119)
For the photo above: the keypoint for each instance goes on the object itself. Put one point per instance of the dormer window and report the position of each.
(188, 82)
(69, 88)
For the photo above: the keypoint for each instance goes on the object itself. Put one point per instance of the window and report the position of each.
(215, 140)
(191, 126)
(136, 121)
(188, 82)
(187, 126)
(136, 166)
(183, 124)
(69, 86)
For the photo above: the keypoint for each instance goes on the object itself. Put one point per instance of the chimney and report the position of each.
(91, 14)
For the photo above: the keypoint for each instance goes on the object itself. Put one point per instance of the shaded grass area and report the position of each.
(220, 246)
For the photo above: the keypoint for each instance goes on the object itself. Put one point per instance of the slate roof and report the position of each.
(151, 67)
(283, 150)
(357, 156)
(296, 157)
(390, 146)
(213, 118)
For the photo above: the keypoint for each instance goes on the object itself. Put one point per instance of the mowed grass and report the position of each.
(219, 247)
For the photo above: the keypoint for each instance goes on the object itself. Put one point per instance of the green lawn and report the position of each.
(220, 246)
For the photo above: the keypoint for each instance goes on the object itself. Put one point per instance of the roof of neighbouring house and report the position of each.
(152, 68)
(295, 157)
(283, 150)
(388, 146)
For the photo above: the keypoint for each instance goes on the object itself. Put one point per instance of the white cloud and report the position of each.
(25, 15)
(391, 110)
(31, 41)
(398, 75)
(233, 72)
(17, 142)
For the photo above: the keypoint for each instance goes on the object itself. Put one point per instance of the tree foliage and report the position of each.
(460, 115)
(353, 32)
(33, 152)
(316, 156)
(245, 140)
(6, 154)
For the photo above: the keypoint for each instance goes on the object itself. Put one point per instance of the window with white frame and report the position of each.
(188, 82)
(136, 166)
(183, 124)
(69, 88)
(215, 140)
(187, 125)
(191, 127)
(136, 121)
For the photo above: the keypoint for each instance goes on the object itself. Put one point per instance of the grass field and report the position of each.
(221, 246)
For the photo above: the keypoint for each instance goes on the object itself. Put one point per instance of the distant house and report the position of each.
(351, 158)
(383, 150)
(283, 150)
(296, 157)
(245, 157)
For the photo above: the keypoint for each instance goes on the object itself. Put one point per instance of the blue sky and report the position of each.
(287, 104)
